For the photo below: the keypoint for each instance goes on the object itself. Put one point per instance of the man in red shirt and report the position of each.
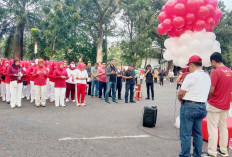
(218, 105)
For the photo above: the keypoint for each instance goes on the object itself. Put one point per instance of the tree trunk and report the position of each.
(53, 47)
(21, 36)
(99, 45)
(16, 44)
(170, 66)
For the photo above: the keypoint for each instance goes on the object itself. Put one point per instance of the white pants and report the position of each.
(32, 91)
(230, 111)
(27, 91)
(52, 90)
(59, 96)
(217, 118)
(47, 89)
(40, 95)
(16, 95)
(7, 92)
(3, 91)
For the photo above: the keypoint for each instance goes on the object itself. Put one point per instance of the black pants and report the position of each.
(162, 81)
(119, 89)
(89, 90)
(150, 85)
(102, 86)
(171, 79)
(178, 85)
(155, 80)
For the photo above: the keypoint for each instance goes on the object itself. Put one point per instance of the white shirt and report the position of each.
(72, 74)
(82, 74)
(197, 85)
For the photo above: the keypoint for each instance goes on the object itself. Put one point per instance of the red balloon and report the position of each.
(217, 14)
(179, 9)
(209, 28)
(210, 22)
(178, 22)
(206, 2)
(201, 2)
(171, 33)
(190, 18)
(188, 27)
(192, 5)
(211, 9)
(203, 12)
(169, 7)
(167, 24)
(199, 25)
(178, 32)
(162, 16)
(213, 3)
(217, 22)
(160, 30)
(182, 1)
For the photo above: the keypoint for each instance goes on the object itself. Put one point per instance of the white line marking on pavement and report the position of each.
(103, 137)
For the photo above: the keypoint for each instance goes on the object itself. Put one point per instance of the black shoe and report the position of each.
(126, 102)
(147, 98)
(107, 102)
(222, 154)
(119, 99)
(115, 102)
(132, 101)
(153, 99)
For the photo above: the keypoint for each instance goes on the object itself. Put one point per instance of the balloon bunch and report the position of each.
(177, 16)
(191, 43)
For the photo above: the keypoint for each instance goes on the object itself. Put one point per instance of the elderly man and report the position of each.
(193, 97)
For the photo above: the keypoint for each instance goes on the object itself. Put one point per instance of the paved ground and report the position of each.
(75, 132)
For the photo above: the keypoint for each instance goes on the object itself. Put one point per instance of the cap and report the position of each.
(131, 65)
(194, 59)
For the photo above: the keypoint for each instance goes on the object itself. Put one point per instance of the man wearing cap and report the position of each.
(149, 74)
(193, 97)
(130, 83)
(218, 106)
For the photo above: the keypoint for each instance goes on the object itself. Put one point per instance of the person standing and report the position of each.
(81, 77)
(88, 69)
(94, 79)
(40, 81)
(218, 105)
(71, 82)
(60, 75)
(15, 73)
(7, 82)
(53, 67)
(193, 97)
(102, 79)
(156, 73)
(171, 76)
(149, 74)
(161, 78)
(130, 83)
(119, 83)
(111, 79)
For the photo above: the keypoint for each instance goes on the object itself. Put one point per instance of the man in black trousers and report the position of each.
(119, 83)
(88, 69)
(149, 74)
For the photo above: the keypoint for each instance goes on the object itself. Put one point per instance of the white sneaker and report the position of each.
(28, 98)
(3, 100)
(62, 105)
(74, 101)
(78, 104)
(66, 100)
(31, 101)
(83, 104)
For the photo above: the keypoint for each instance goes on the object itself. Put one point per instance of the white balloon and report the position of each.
(167, 55)
(185, 38)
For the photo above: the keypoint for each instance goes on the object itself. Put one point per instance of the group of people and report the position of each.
(202, 97)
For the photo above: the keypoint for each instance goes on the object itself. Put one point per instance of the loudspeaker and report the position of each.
(150, 116)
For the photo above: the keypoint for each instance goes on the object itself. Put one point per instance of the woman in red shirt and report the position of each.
(7, 81)
(52, 68)
(60, 75)
(40, 81)
(15, 73)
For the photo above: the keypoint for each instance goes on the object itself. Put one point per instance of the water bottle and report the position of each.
(230, 145)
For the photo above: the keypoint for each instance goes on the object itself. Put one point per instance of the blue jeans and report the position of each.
(110, 85)
(102, 85)
(131, 88)
(191, 116)
(94, 83)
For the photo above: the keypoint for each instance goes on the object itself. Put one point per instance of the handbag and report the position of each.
(2, 77)
(15, 84)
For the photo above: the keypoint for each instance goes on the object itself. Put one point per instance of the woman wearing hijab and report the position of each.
(3, 83)
(71, 82)
(15, 73)
(7, 81)
(60, 75)
(52, 68)
(40, 81)
(82, 76)
(30, 74)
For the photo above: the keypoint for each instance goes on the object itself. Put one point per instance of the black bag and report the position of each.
(25, 83)
(150, 116)
(3, 77)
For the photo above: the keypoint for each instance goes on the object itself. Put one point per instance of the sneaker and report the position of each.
(153, 99)
(206, 155)
(147, 98)
(126, 102)
(31, 101)
(115, 102)
(222, 154)
(78, 104)
(66, 100)
(107, 102)
(28, 98)
(12, 107)
(119, 99)
(132, 101)
(62, 105)
(73, 100)
(8, 102)
(83, 104)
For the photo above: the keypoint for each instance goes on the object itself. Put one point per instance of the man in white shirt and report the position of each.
(193, 97)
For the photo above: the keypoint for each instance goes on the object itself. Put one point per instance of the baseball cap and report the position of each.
(194, 59)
